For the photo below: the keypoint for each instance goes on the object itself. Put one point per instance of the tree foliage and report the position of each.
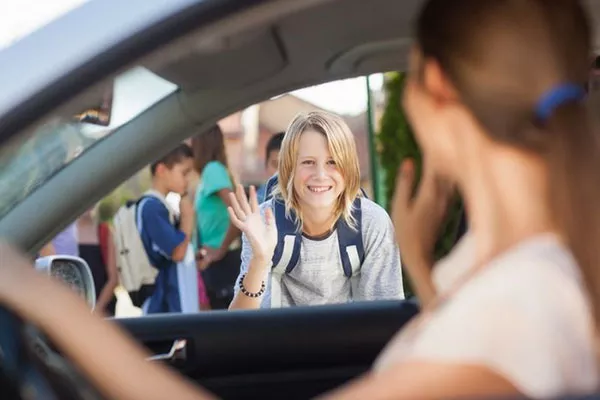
(396, 142)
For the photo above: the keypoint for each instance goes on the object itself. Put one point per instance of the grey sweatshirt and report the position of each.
(318, 278)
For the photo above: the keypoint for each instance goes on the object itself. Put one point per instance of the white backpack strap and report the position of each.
(138, 214)
(172, 213)
(352, 252)
(279, 270)
(125, 278)
(148, 272)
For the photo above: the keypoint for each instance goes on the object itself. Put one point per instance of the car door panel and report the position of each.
(295, 352)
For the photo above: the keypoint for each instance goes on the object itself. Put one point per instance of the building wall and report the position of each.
(275, 115)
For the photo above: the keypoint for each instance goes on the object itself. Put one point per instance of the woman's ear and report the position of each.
(437, 83)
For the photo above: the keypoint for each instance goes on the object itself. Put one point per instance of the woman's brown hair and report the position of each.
(503, 57)
(209, 146)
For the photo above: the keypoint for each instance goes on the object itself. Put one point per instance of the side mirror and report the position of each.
(72, 271)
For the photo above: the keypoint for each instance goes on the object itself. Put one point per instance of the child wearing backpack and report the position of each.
(166, 240)
(318, 240)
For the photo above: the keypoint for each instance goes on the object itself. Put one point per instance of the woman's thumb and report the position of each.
(404, 184)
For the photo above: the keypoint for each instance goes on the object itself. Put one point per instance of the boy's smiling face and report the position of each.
(318, 183)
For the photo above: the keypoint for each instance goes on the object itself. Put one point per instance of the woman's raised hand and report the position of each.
(245, 215)
(417, 221)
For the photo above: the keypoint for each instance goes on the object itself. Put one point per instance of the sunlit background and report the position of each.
(246, 131)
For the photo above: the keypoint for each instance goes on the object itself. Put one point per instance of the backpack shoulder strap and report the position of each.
(139, 205)
(287, 251)
(352, 250)
(269, 187)
(150, 195)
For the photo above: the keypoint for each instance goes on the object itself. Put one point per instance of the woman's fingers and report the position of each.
(243, 200)
(446, 192)
(429, 186)
(253, 199)
(404, 184)
(434, 194)
(437, 193)
(444, 188)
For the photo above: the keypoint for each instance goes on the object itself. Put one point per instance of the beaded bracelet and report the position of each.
(249, 294)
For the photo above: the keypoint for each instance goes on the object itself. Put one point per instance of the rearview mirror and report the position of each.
(72, 271)
(98, 113)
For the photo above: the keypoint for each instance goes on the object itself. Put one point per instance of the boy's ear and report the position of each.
(160, 169)
(189, 165)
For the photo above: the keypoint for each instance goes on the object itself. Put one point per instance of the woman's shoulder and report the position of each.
(537, 274)
(540, 257)
(517, 316)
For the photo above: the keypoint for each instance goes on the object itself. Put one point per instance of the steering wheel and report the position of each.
(18, 375)
(30, 369)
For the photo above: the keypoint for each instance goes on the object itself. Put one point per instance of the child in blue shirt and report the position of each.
(271, 162)
(165, 239)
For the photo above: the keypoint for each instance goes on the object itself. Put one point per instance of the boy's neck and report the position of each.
(160, 188)
(317, 222)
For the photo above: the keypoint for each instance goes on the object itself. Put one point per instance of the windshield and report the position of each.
(20, 18)
(28, 161)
